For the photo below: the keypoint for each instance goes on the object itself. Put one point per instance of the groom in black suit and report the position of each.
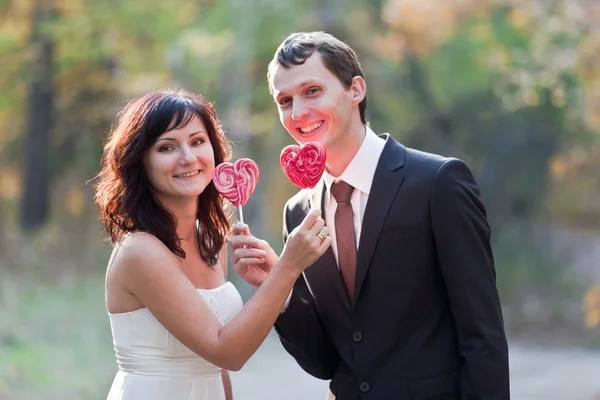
(404, 304)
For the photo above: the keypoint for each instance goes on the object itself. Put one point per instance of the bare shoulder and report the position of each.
(144, 256)
(141, 247)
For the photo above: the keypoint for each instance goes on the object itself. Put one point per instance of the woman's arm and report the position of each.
(152, 274)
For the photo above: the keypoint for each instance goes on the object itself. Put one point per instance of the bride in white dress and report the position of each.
(178, 325)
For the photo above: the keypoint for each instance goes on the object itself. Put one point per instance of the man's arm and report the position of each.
(462, 238)
(301, 330)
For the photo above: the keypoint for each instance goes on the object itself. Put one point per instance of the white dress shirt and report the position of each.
(359, 173)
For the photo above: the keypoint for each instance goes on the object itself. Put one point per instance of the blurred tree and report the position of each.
(79, 60)
(470, 65)
(40, 118)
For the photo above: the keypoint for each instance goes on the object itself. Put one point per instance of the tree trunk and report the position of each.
(36, 178)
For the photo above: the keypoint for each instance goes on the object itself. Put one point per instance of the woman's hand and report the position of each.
(306, 243)
(252, 258)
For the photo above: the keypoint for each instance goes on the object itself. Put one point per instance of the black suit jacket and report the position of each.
(425, 321)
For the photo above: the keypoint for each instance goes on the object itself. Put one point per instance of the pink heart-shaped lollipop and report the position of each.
(237, 181)
(303, 165)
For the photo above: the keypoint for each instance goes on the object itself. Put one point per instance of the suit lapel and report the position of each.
(388, 178)
(326, 262)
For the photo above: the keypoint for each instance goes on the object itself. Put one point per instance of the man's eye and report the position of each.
(284, 101)
(313, 90)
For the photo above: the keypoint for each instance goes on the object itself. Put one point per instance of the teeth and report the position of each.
(312, 127)
(185, 175)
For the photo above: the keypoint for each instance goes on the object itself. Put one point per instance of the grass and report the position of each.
(55, 340)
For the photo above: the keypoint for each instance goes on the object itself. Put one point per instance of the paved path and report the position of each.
(536, 374)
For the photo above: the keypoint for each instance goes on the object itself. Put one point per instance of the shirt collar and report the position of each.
(359, 173)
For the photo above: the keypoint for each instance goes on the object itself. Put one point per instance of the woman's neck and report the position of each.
(186, 217)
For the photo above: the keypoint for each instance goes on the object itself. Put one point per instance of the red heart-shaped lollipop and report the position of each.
(237, 181)
(303, 165)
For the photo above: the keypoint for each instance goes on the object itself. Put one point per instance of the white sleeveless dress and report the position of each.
(154, 365)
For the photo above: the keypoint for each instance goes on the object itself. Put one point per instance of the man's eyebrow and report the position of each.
(300, 85)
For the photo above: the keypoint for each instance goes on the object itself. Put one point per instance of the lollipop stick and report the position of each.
(241, 214)
(242, 219)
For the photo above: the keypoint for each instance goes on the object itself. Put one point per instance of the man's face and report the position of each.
(313, 104)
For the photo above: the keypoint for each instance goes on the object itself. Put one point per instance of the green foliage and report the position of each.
(500, 89)
(55, 339)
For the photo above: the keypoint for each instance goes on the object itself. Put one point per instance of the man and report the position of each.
(404, 304)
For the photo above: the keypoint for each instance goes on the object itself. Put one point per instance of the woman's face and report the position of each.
(181, 162)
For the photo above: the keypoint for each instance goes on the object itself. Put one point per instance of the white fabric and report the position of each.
(154, 365)
(359, 173)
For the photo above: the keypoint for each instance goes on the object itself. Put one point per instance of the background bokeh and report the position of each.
(511, 87)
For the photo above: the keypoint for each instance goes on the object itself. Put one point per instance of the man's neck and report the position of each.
(342, 154)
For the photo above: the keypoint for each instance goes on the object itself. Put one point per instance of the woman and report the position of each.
(176, 321)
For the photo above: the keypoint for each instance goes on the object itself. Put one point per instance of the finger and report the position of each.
(310, 218)
(240, 228)
(249, 253)
(240, 269)
(251, 261)
(323, 233)
(244, 241)
(325, 244)
(317, 226)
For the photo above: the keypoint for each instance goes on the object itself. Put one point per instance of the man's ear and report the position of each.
(358, 89)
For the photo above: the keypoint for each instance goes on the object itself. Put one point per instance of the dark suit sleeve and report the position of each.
(301, 330)
(462, 239)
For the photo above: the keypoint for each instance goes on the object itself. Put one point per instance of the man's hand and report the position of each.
(252, 258)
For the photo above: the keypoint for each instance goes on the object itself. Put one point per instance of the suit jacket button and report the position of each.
(364, 387)
(357, 336)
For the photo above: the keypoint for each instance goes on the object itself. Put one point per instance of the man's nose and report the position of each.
(300, 110)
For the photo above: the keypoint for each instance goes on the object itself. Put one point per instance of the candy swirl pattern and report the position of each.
(236, 181)
(303, 165)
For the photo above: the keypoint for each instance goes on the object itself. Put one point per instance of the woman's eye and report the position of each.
(164, 149)
(313, 90)
(197, 142)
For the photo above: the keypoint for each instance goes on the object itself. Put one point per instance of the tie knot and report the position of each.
(341, 191)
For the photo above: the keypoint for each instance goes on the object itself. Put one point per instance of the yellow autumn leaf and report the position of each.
(75, 201)
(592, 307)
(518, 18)
(558, 167)
(10, 183)
(70, 6)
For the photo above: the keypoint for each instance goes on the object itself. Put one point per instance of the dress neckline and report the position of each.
(215, 289)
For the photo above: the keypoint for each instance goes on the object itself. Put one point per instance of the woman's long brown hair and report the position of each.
(124, 193)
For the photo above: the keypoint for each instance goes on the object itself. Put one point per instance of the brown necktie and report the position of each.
(344, 233)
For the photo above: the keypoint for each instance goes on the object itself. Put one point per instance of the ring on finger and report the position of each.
(320, 235)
